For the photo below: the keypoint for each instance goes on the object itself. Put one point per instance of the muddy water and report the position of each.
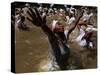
(31, 49)
(32, 52)
(82, 58)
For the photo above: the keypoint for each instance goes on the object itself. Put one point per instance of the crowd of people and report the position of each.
(58, 33)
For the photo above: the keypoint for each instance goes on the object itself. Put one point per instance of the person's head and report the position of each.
(88, 12)
(27, 5)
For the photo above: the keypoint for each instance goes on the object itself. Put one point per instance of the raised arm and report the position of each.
(39, 20)
(74, 25)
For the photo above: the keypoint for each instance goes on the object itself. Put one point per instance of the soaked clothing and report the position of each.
(87, 41)
(79, 38)
(58, 51)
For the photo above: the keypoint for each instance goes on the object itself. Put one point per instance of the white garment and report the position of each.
(25, 9)
(43, 14)
(51, 5)
(61, 10)
(86, 17)
(17, 23)
(70, 20)
(17, 17)
(54, 24)
(40, 9)
(91, 44)
(71, 10)
(27, 4)
(90, 28)
(79, 38)
(50, 10)
(66, 33)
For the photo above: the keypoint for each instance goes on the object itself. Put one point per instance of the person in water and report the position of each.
(59, 51)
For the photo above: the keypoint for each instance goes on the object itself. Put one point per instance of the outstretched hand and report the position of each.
(36, 18)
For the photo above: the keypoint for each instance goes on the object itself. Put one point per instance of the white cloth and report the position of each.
(90, 28)
(17, 23)
(50, 10)
(51, 5)
(25, 9)
(61, 10)
(79, 38)
(40, 9)
(27, 4)
(66, 33)
(54, 24)
(86, 17)
(43, 14)
(71, 10)
(17, 17)
(94, 29)
(70, 20)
